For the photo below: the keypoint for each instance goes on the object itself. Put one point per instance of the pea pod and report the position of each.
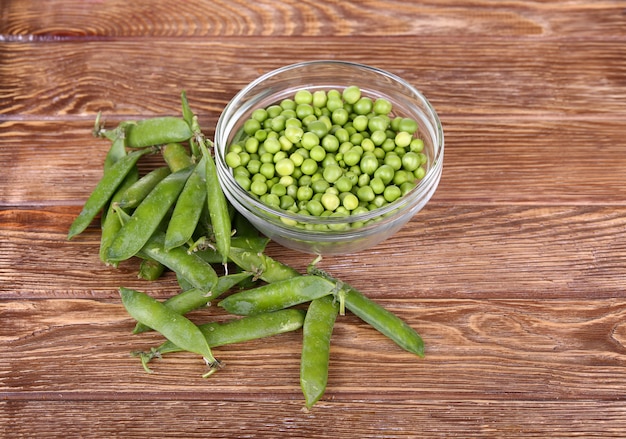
(176, 156)
(157, 131)
(136, 193)
(188, 208)
(194, 298)
(104, 190)
(147, 217)
(111, 223)
(277, 295)
(218, 207)
(316, 333)
(237, 331)
(149, 269)
(264, 267)
(375, 315)
(176, 328)
(188, 266)
(198, 272)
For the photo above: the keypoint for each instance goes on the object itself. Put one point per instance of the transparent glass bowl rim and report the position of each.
(407, 199)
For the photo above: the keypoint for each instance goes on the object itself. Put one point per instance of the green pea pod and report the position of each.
(194, 298)
(176, 156)
(147, 217)
(111, 223)
(218, 207)
(104, 190)
(264, 267)
(142, 187)
(376, 316)
(149, 269)
(188, 208)
(176, 328)
(199, 273)
(157, 131)
(316, 333)
(277, 295)
(244, 329)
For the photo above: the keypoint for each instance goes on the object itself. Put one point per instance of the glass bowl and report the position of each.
(330, 235)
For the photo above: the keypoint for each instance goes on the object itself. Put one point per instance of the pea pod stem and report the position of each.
(381, 319)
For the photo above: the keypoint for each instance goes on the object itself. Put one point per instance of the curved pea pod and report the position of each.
(104, 190)
(381, 319)
(136, 193)
(194, 298)
(157, 131)
(277, 295)
(316, 334)
(176, 328)
(188, 208)
(194, 269)
(237, 331)
(147, 217)
(264, 267)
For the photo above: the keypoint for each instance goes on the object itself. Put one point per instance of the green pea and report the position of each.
(258, 187)
(382, 106)
(251, 126)
(157, 131)
(350, 201)
(351, 94)
(330, 143)
(315, 207)
(316, 335)
(304, 193)
(318, 153)
(176, 328)
(344, 184)
(285, 167)
(416, 145)
(330, 201)
(392, 193)
(403, 138)
(260, 114)
(277, 295)
(319, 99)
(365, 193)
(309, 166)
(369, 163)
(309, 140)
(340, 116)
(104, 190)
(385, 173)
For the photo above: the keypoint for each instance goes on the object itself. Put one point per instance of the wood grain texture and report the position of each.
(540, 79)
(513, 273)
(203, 18)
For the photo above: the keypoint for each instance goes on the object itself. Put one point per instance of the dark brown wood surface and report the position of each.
(514, 273)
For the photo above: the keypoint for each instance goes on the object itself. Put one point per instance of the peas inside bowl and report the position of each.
(329, 157)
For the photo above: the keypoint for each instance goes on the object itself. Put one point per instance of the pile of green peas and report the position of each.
(328, 153)
(175, 218)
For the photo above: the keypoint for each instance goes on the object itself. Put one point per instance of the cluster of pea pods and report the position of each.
(175, 217)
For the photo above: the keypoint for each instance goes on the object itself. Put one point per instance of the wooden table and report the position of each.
(514, 273)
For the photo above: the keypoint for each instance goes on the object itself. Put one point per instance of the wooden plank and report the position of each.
(270, 419)
(475, 349)
(488, 161)
(445, 251)
(541, 79)
(97, 19)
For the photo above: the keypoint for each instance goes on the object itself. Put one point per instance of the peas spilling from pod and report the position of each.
(175, 218)
(328, 153)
